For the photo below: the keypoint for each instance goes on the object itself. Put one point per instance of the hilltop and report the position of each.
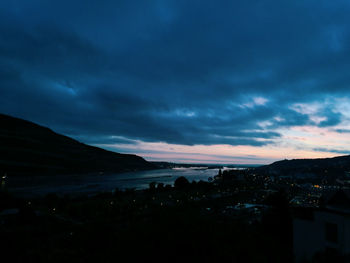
(309, 167)
(27, 148)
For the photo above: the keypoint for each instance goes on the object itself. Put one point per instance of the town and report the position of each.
(240, 215)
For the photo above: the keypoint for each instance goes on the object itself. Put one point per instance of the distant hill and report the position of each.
(30, 149)
(309, 167)
(169, 165)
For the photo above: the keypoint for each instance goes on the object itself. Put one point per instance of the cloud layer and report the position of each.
(235, 73)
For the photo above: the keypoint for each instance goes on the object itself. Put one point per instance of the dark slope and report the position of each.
(326, 166)
(28, 148)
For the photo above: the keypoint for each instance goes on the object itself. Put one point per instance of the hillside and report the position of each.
(30, 149)
(309, 167)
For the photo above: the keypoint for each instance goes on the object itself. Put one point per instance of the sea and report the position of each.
(38, 186)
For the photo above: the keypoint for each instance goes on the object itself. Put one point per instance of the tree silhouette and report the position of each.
(181, 182)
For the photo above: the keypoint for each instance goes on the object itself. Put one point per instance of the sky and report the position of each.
(247, 82)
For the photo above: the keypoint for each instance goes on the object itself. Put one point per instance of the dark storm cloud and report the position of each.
(332, 150)
(332, 119)
(183, 72)
(343, 130)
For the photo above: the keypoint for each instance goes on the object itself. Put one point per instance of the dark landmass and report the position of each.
(322, 167)
(239, 216)
(30, 149)
(169, 165)
(189, 222)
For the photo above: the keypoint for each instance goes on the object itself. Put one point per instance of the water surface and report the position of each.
(79, 184)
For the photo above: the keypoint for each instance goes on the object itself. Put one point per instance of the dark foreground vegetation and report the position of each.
(191, 222)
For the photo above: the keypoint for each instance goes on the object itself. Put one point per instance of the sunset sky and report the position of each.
(246, 82)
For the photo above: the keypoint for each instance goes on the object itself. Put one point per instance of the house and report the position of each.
(323, 230)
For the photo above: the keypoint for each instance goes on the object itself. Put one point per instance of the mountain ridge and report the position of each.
(320, 166)
(27, 148)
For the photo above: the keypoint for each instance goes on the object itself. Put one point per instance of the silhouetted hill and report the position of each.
(169, 165)
(28, 148)
(309, 167)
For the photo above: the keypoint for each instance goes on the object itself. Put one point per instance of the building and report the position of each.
(325, 230)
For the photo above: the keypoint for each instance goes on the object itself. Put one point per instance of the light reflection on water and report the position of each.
(79, 184)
